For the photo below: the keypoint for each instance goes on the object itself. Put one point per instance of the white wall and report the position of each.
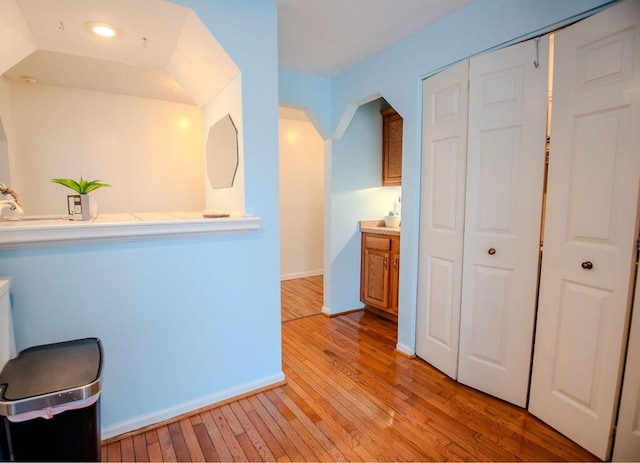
(5, 166)
(5, 170)
(150, 151)
(15, 36)
(301, 199)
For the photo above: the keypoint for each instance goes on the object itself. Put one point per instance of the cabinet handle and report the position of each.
(386, 262)
(491, 251)
(587, 265)
(395, 264)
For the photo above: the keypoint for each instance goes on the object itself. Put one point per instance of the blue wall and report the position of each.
(356, 194)
(184, 323)
(309, 92)
(397, 74)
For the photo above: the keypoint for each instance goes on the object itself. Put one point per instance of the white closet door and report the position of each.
(444, 152)
(505, 179)
(590, 227)
(627, 444)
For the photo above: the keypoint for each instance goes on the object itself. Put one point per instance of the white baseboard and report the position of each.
(409, 351)
(327, 311)
(293, 276)
(162, 415)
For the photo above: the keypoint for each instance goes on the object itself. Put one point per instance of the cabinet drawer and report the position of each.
(377, 242)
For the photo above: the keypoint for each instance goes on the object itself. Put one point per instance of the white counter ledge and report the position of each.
(47, 231)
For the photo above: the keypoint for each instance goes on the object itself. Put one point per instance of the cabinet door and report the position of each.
(376, 264)
(391, 148)
(444, 154)
(505, 178)
(590, 227)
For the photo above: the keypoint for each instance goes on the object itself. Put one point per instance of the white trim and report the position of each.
(5, 284)
(293, 276)
(109, 228)
(327, 311)
(349, 112)
(7, 338)
(162, 415)
(410, 351)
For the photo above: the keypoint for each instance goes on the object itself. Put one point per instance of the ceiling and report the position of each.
(326, 37)
(159, 42)
(162, 50)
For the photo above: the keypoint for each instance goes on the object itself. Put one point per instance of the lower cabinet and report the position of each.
(379, 272)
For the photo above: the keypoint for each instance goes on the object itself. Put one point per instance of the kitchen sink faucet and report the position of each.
(14, 203)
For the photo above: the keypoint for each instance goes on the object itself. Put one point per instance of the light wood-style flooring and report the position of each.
(350, 397)
(301, 297)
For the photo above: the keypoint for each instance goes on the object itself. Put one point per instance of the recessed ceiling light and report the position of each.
(102, 29)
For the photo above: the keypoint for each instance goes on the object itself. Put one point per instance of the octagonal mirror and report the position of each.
(222, 153)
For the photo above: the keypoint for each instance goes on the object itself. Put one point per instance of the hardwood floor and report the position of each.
(301, 297)
(350, 397)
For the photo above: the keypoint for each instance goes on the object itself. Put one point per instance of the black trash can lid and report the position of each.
(51, 375)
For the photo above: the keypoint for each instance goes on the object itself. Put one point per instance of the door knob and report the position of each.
(491, 251)
(587, 265)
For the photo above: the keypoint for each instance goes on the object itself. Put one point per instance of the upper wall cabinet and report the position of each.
(391, 147)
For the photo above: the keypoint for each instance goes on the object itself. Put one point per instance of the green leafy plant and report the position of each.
(82, 187)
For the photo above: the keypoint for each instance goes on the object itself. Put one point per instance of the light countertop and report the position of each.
(377, 226)
(40, 231)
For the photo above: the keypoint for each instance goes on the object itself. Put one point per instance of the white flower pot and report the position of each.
(82, 207)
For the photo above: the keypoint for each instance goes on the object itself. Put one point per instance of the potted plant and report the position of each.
(80, 205)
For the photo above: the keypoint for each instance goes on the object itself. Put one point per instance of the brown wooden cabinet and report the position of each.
(391, 147)
(379, 272)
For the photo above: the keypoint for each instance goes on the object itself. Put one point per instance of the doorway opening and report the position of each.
(301, 155)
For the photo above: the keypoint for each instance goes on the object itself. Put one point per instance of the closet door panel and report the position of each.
(505, 176)
(591, 227)
(488, 343)
(444, 151)
(496, 184)
(627, 444)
